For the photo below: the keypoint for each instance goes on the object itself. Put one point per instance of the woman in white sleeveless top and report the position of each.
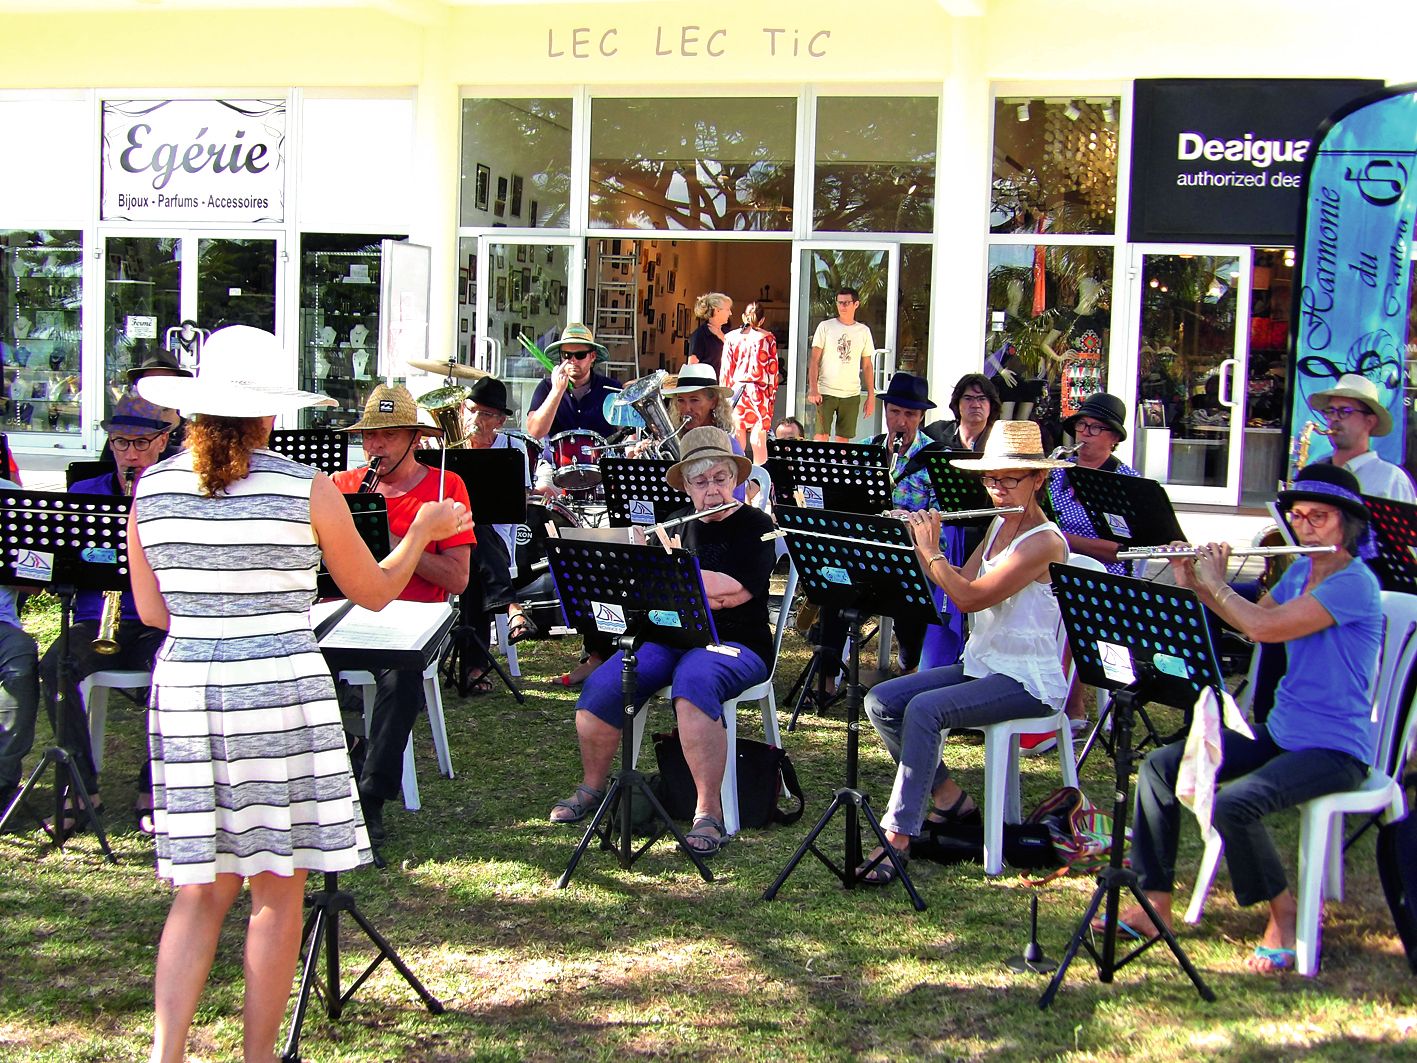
(251, 777)
(1012, 668)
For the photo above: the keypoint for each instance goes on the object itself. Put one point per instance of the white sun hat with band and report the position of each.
(234, 379)
(1011, 445)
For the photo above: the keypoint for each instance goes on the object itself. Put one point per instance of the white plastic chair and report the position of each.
(762, 692)
(1002, 800)
(1321, 820)
(763, 499)
(93, 696)
(433, 701)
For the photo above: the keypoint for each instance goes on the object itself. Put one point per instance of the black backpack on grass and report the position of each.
(1397, 869)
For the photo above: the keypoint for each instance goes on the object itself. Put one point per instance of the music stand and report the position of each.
(86, 470)
(849, 562)
(64, 543)
(325, 449)
(638, 593)
(956, 489)
(636, 492)
(846, 477)
(1144, 642)
(1395, 525)
(1129, 510)
(4, 456)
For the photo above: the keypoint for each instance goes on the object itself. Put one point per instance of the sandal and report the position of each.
(580, 804)
(74, 819)
(1266, 960)
(878, 869)
(520, 626)
(483, 684)
(143, 815)
(711, 843)
(942, 818)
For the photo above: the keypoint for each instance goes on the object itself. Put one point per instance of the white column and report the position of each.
(434, 193)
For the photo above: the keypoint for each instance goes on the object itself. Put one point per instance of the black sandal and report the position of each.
(521, 626)
(879, 871)
(952, 816)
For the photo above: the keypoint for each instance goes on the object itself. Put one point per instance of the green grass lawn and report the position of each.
(653, 962)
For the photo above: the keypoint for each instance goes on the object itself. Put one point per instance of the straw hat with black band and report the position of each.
(238, 364)
(1011, 445)
(700, 444)
(391, 407)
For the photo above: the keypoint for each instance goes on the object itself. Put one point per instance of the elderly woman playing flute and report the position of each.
(1317, 739)
(736, 564)
(1012, 668)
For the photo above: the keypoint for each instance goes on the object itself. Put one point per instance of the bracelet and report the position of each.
(937, 557)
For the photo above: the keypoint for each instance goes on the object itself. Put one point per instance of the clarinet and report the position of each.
(371, 478)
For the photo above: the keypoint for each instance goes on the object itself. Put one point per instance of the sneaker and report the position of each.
(1036, 744)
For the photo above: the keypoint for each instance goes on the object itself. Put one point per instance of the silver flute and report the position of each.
(901, 515)
(1142, 553)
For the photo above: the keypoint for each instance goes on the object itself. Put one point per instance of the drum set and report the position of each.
(573, 457)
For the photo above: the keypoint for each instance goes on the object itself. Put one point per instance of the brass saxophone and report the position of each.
(1302, 458)
(106, 641)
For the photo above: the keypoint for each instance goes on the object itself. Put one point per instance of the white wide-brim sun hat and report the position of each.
(234, 379)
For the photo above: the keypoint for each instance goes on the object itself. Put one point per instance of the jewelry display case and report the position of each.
(41, 325)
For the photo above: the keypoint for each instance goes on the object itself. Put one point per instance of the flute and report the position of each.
(956, 514)
(899, 514)
(654, 529)
(1142, 553)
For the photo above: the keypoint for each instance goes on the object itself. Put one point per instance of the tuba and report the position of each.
(445, 405)
(643, 395)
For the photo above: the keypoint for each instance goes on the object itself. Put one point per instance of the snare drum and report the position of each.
(531, 538)
(575, 458)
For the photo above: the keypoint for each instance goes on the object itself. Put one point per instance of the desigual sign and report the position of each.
(194, 161)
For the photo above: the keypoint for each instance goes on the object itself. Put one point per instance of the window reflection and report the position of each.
(1055, 165)
(719, 165)
(516, 163)
(875, 164)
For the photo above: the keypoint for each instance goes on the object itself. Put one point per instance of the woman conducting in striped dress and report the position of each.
(250, 774)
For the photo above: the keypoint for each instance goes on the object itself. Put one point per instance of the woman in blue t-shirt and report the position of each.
(1319, 737)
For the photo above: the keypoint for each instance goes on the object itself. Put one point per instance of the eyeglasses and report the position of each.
(139, 445)
(1342, 413)
(845, 301)
(577, 355)
(1314, 518)
(721, 480)
(1008, 483)
(1089, 428)
(973, 400)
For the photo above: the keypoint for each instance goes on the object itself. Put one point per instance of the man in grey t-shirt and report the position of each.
(843, 364)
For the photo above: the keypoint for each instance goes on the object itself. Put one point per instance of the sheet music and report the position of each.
(398, 626)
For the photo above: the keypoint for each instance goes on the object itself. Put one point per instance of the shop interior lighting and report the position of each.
(1071, 112)
(1023, 111)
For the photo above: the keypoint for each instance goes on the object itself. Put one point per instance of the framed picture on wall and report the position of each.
(483, 186)
(681, 315)
(499, 208)
(514, 287)
(521, 252)
(663, 321)
(526, 281)
(533, 304)
(533, 212)
(462, 286)
(671, 281)
(516, 196)
(501, 289)
(501, 258)
(462, 325)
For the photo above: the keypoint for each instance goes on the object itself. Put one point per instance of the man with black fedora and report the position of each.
(1355, 413)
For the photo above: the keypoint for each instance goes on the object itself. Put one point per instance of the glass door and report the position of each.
(523, 288)
(822, 269)
(1191, 372)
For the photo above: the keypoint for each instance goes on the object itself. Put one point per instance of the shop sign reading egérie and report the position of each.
(187, 162)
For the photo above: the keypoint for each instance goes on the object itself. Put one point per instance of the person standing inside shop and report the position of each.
(391, 430)
(573, 396)
(749, 370)
(706, 342)
(1355, 414)
(842, 365)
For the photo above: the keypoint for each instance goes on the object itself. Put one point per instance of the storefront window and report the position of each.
(339, 323)
(41, 323)
(875, 164)
(142, 301)
(1048, 337)
(913, 311)
(1055, 165)
(516, 163)
(719, 165)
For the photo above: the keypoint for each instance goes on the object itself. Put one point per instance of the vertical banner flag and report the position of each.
(1352, 292)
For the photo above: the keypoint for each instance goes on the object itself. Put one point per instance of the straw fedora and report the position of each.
(699, 376)
(1011, 445)
(575, 332)
(234, 380)
(1353, 386)
(391, 407)
(708, 442)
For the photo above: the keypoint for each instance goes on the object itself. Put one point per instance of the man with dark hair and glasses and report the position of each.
(1355, 413)
(842, 366)
(573, 396)
(137, 436)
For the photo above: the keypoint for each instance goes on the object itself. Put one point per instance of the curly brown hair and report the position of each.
(221, 449)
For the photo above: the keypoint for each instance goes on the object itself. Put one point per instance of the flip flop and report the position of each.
(578, 808)
(1279, 960)
(699, 833)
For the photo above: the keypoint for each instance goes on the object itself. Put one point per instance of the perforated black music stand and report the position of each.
(495, 480)
(1395, 525)
(956, 489)
(63, 543)
(857, 564)
(1130, 510)
(1144, 642)
(325, 449)
(636, 492)
(846, 477)
(639, 593)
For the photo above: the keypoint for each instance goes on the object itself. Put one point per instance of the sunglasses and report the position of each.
(567, 356)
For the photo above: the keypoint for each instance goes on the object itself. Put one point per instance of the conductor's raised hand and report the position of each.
(442, 520)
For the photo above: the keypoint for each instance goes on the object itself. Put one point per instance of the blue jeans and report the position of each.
(19, 702)
(702, 677)
(912, 714)
(1260, 778)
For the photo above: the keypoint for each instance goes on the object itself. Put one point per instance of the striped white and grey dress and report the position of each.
(250, 771)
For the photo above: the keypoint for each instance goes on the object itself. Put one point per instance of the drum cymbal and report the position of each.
(455, 369)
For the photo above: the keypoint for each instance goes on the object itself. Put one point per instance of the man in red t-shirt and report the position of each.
(391, 431)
